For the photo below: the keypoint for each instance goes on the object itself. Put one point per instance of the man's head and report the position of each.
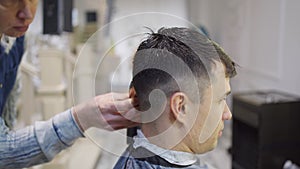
(16, 16)
(181, 80)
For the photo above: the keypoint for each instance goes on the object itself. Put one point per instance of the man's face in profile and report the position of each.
(211, 113)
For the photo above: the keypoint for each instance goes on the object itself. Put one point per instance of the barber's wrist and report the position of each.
(75, 117)
(66, 127)
(86, 114)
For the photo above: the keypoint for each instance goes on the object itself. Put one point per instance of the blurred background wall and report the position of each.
(262, 36)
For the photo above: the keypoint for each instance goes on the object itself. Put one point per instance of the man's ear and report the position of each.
(132, 95)
(178, 103)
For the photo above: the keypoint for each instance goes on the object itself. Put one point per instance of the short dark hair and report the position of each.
(158, 62)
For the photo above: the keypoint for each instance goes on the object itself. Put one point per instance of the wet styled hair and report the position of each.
(171, 59)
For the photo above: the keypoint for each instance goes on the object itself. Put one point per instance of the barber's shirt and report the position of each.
(11, 52)
(34, 144)
(143, 154)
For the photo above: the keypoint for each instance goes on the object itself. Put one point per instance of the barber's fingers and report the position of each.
(123, 105)
(119, 96)
(113, 102)
(115, 107)
(117, 120)
(133, 115)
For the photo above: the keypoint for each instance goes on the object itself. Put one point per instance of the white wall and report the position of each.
(262, 36)
(132, 16)
(128, 24)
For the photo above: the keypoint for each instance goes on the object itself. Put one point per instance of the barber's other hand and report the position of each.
(110, 111)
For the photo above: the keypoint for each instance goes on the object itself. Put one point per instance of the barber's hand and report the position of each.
(110, 111)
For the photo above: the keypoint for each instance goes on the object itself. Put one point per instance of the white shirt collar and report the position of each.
(173, 157)
(7, 42)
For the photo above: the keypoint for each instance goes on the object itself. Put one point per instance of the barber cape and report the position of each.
(142, 154)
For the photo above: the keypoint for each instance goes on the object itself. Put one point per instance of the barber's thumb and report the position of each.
(87, 114)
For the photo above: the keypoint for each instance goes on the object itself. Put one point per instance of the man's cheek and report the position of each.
(211, 123)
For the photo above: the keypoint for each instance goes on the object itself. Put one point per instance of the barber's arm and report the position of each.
(111, 111)
(38, 143)
(42, 141)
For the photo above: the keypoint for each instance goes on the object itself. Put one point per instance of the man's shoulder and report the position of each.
(144, 159)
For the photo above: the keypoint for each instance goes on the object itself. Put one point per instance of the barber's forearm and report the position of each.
(57, 134)
(37, 144)
(19, 148)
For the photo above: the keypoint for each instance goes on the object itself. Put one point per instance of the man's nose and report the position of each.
(25, 10)
(227, 113)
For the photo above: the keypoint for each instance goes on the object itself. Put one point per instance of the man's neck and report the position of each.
(165, 137)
